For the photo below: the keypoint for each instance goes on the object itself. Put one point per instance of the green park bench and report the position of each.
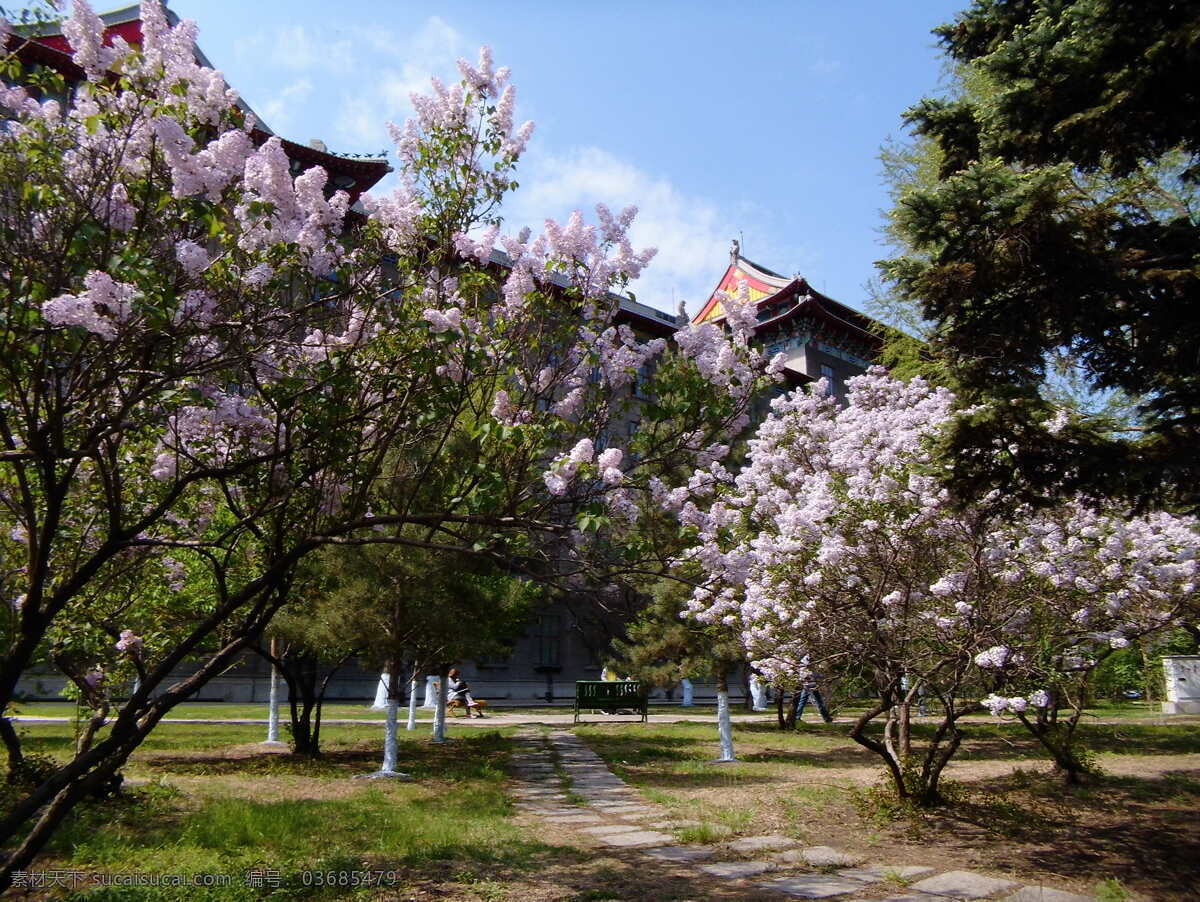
(612, 697)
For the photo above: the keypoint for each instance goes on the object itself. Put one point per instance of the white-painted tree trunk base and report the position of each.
(725, 728)
(389, 738)
(439, 713)
(412, 704)
(689, 694)
(381, 692)
(758, 694)
(273, 711)
(431, 689)
(387, 770)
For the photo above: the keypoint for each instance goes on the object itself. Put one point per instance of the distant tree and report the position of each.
(308, 642)
(664, 646)
(1056, 223)
(404, 604)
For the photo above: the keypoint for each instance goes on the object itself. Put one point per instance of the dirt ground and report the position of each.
(1137, 823)
(1132, 832)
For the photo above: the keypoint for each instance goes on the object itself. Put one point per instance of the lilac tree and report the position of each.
(837, 543)
(206, 376)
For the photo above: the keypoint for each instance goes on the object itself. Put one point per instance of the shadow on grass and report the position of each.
(1140, 830)
(475, 755)
(703, 776)
(829, 750)
(561, 873)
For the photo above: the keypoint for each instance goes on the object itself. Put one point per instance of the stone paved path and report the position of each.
(559, 779)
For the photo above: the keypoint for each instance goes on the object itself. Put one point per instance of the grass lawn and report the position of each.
(209, 799)
(332, 711)
(1133, 829)
(362, 710)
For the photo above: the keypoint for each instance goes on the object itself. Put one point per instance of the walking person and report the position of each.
(810, 691)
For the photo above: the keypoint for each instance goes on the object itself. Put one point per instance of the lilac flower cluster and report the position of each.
(101, 308)
(838, 524)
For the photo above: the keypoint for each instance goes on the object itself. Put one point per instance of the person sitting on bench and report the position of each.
(461, 692)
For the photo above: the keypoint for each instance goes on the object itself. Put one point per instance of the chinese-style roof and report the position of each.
(780, 299)
(761, 282)
(46, 45)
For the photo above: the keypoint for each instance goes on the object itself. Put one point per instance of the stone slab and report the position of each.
(878, 872)
(638, 838)
(1045, 894)
(609, 829)
(820, 857)
(814, 886)
(682, 853)
(574, 819)
(963, 885)
(912, 897)
(768, 843)
(737, 869)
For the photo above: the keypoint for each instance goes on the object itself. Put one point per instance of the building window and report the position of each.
(641, 381)
(547, 641)
(830, 377)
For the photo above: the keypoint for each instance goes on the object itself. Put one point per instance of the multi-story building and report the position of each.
(819, 337)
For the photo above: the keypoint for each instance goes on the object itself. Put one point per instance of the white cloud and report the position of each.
(280, 111)
(295, 47)
(380, 91)
(691, 233)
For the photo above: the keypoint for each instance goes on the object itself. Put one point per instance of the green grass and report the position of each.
(291, 815)
(333, 711)
(225, 711)
(54, 738)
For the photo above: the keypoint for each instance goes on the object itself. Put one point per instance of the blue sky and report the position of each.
(761, 121)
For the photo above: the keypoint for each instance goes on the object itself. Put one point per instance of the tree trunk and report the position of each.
(858, 734)
(12, 744)
(97, 766)
(439, 712)
(381, 692)
(303, 670)
(273, 701)
(390, 742)
(724, 723)
(412, 699)
(1059, 741)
